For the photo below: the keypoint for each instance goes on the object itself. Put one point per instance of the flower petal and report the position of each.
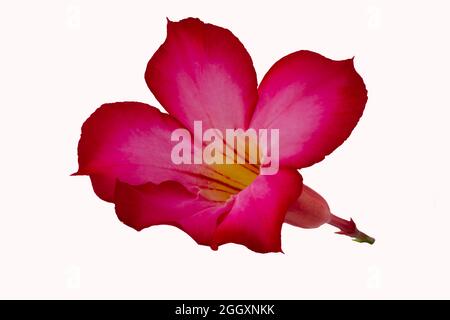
(258, 212)
(130, 141)
(203, 72)
(168, 203)
(315, 102)
(309, 211)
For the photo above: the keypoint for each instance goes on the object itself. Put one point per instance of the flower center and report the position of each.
(226, 180)
(230, 159)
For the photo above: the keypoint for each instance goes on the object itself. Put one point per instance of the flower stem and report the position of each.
(348, 228)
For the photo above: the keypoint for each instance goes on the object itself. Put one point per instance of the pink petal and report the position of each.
(130, 141)
(168, 203)
(203, 72)
(309, 211)
(315, 102)
(259, 211)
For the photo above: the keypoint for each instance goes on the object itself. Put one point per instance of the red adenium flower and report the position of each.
(203, 73)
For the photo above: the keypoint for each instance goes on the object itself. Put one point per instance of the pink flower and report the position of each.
(203, 72)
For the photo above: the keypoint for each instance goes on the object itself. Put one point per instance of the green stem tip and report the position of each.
(348, 228)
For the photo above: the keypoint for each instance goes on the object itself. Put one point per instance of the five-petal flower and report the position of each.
(203, 72)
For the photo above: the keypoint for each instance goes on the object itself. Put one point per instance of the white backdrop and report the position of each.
(59, 60)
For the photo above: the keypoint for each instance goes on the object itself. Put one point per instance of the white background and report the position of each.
(60, 60)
